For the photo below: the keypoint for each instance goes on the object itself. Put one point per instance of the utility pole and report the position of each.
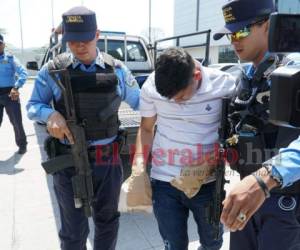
(52, 13)
(21, 31)
(150, 22)
(197, 15)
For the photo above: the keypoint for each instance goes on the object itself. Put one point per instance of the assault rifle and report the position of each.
(82, 181)
(219, 195)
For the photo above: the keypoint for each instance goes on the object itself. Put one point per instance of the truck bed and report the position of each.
(130, 121)
(128, 117)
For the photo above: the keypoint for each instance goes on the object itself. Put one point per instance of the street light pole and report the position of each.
(52, 12)
(21, 31)
(149, 21)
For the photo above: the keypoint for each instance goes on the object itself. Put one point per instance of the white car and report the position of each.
(222, 66)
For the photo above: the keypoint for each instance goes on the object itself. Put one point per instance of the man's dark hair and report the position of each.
(173, 71)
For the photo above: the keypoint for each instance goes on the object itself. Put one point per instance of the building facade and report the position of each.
(198, 15)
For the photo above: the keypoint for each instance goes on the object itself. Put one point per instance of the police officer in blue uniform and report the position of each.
(9, 93)
(276, 224)
(81, 35)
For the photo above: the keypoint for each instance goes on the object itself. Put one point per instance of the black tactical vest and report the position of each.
(95, 97)
(258, 140)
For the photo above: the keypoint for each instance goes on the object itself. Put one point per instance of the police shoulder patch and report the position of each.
(131, 81)
(10, 58)
(118, 63)
(4, 61)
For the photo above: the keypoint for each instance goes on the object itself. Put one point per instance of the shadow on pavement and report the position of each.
(8, 166)
(41, 134)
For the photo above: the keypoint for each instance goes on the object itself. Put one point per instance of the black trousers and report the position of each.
(13, 110)
(107, 180)
(271, 227)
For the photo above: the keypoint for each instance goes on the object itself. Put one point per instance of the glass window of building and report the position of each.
(227, 54)
(288, 6)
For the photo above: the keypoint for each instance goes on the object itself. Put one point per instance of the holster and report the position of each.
(59, 156)
(121, 138)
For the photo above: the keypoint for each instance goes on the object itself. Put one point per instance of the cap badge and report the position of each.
(74, 19)
(228, 15)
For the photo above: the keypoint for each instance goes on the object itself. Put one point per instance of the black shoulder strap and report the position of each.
(61, 61)
(265, 68)
(108, 59)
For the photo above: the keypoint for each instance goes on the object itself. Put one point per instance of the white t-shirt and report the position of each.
(185, 130)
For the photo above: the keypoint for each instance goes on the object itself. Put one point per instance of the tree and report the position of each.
(2, 31)
(156, 33)
(39, 52)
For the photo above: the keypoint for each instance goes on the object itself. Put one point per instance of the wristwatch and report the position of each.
(273, 173)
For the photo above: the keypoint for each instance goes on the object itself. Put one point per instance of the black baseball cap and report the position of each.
(79, 24)
(241, 13)
(1, 39)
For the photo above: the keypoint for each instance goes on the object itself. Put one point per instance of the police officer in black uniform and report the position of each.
(276, 224)
(96, 105)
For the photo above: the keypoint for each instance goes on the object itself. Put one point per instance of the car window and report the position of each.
(135, 51)
(226, 67)
(48, 56)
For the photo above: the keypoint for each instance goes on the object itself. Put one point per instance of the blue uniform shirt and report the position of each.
(9, 68)
(45, 89)
(287, 163)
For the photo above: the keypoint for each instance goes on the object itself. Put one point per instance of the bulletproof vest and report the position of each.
(95, 96)
(258, 139)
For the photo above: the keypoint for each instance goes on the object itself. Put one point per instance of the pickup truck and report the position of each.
(132, 50)
(139, 57)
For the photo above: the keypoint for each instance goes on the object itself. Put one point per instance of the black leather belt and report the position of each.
(62, 157)
(93, 151)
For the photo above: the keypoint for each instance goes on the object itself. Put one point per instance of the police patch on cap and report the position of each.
(228, 15)
(74, 19)
(240, 13)
(79, 24)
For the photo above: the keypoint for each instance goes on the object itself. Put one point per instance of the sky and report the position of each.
(131, 16)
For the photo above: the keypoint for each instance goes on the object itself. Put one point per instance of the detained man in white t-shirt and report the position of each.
(183, 99)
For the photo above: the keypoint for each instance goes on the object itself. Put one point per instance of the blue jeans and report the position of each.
(171, 208)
